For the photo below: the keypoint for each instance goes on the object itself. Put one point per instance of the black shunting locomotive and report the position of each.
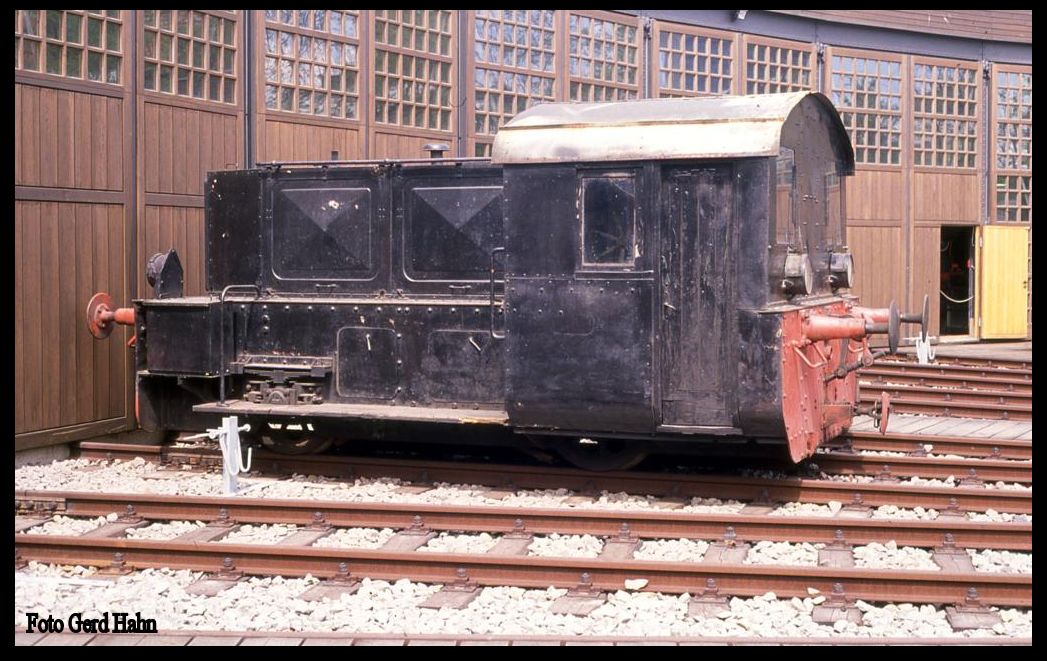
(616, 278)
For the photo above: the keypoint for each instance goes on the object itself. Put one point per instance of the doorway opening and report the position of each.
(957, 280)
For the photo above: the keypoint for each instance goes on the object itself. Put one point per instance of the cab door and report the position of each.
(1003, 282)
(696, 296)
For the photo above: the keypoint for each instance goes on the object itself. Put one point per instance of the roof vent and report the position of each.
(437, 149)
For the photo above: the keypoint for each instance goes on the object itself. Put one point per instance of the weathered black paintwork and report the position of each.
(164, 274)
(371, 284)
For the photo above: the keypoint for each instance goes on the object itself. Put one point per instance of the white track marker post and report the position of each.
(232, 462)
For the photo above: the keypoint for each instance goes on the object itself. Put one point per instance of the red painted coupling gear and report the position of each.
(875, 315)
(102, 318)
(817, 327)
(885, 411)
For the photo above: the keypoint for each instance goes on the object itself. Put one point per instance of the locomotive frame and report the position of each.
(620, 275)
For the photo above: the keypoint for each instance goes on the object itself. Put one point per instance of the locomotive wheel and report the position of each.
(278, 438)
(602, 455)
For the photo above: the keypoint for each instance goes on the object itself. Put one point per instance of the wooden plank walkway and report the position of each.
(927, 425)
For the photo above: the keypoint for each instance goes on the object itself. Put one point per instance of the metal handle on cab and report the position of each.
(495, 334)
(221, 334)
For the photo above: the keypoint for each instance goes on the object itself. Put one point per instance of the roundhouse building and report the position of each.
(119, 114)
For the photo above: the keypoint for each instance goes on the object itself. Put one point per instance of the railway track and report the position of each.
(955, 403)
(644, 524)
(966, 446)
(984, 460)
(179, 637)
(965, 362)
(510, 565)
(942, 376)
(971, 389)
(971, 495)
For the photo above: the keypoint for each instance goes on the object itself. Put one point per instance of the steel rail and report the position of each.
(535, 572)
(183, 636)
(993, 384)
(951, 396)
(991, 470)
(969, 446)
(645, 524)
(970, 498)
(962, 363)
(903, 401)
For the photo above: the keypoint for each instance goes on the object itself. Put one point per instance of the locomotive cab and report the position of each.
(663, 261)
(619, 275)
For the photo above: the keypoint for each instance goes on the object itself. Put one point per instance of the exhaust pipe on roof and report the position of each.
(437, 149)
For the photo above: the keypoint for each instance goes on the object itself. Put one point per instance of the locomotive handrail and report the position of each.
(494, 334)
(377, 161)
(221, 336)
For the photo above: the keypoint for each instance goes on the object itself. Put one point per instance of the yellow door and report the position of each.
(1003, 281)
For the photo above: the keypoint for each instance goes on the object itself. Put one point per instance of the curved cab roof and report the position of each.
(660, 129)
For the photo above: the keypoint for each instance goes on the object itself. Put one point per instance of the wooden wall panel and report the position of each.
(946, 197)
(399, 145)
(926, 273)
(876, 195)
(180, 145)
(67, 139)
(292, 141)
(879, 263)
(182, 228)
(67, 252)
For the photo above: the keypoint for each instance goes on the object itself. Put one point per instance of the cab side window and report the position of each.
(608, 212)
(787, 232)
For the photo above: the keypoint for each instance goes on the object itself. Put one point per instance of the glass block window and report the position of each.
(312, 62)
(1014, 198)
(770, 69)
(694, 64)
(331, 22)
(190, 53)
(524, 39)
(945, 124)
(1013, 121)
(75, 44)
(412, 68)
(603, 59)
(868, 94)
(515, 65)
(502, 94)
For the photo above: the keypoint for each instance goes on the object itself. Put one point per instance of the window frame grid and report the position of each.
(144, 60)
(453, 107)
(102, 50)
(996, 170)
(553, 50)
(905, 100)
(294, 29)
(660, 92)
(934, 116)
(572, 79)
(479, 143)
(748, 40)
(502, 95)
